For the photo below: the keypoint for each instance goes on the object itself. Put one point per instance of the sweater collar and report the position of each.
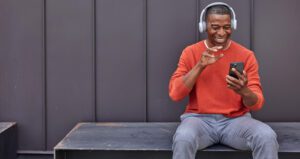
(226, 48)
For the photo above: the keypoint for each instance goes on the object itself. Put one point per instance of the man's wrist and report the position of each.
(200, 66)
(246, 92)
(249, 97)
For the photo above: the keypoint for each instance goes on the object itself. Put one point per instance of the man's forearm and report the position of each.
(190, 78)
(249, 97)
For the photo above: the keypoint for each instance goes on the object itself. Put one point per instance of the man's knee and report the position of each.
(266, 137)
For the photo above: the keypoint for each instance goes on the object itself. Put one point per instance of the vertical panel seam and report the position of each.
(251, 24)
(197, 18)
(95, 60)
(45, 74)
(146, 56)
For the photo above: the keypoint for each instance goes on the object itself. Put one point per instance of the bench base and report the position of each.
(70, 154)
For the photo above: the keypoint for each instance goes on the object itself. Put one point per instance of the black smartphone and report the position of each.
(239, 66)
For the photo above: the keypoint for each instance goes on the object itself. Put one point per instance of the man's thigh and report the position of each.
(239, 131)
(195, 131)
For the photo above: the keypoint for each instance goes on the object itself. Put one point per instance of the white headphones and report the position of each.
(202, 23)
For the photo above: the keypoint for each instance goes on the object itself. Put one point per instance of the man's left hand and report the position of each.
(238, 85)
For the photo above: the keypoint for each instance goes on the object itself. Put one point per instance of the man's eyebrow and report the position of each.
(220, 25)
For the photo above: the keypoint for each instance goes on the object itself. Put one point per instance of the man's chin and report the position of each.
(220, 42)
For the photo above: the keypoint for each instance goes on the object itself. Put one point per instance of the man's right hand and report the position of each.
(208, 56)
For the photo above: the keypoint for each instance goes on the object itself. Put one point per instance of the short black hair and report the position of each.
(218, 9)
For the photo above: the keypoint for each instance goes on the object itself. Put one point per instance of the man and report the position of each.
(219, 105)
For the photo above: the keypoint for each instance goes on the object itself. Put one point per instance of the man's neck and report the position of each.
(210, 45)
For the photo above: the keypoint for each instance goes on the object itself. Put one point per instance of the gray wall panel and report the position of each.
(121, 60)
(138, 44)
(70, 67)
(276, 43)
(171, 27)
(242, 10)
(22, 70)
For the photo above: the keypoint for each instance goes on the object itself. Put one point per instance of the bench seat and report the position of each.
(154, 137)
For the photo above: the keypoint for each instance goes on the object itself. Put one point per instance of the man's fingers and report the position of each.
(218, 47)
(235, 81)
(231, 87)
(210, 50)
(208, 55)
(214, 49)
(218, 57)
(237, 84)
(213, 56)
(240, 76)
(232, 84)
(245, 74)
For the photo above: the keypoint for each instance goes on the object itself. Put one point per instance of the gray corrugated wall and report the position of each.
(67, 61)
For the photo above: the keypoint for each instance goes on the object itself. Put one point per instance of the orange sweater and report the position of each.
(210, 94)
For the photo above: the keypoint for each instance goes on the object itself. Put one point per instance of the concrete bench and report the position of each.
(154, 140)
(8, 140)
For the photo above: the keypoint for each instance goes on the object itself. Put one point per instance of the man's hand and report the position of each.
(238, 85)
(208, 56)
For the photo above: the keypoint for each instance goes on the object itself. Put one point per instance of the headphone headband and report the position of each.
(202, 24)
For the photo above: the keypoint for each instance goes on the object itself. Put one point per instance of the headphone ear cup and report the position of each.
(202, 27)
(234, 24)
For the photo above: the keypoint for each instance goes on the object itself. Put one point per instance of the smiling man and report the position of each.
(219, 105)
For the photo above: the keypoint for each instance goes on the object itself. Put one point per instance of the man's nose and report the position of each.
(221, 32)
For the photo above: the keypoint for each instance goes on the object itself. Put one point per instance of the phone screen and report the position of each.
(239, 66)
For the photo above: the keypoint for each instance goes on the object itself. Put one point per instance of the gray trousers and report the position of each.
(198, 131)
